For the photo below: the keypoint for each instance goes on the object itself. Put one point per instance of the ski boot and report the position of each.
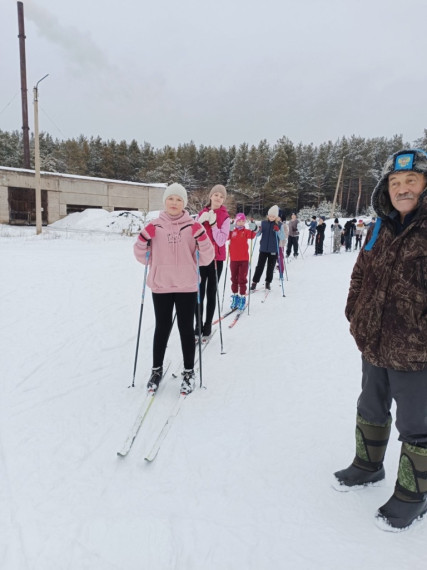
(367, 467)
(268, 286)
(253, 286)
(207, 331)
(234, 301)
(188, 382)
(154, 381)
(241, 302)
(409, 500)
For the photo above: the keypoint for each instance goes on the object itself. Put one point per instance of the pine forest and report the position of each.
(301, 177)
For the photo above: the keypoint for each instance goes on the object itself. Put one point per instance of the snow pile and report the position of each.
(99, 220)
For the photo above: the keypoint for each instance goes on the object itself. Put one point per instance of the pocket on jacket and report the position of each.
(182, 277)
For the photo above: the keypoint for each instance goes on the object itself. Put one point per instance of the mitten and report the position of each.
(198, 232)
(276, 228)
(148, 232)
(204, 217)
(212, 218)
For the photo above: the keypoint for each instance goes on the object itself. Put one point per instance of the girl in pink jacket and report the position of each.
(216, 221)
(172, 239)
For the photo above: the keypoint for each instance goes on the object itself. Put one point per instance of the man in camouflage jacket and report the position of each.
(387, 311)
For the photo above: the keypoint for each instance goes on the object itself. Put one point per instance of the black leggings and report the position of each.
(163, 309)
(270, 258)
(208, 287)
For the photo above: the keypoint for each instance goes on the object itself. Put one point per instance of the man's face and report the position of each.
(404, 189)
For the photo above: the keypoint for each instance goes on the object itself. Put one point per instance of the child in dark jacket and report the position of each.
(271, 230)
(239, 261)
(320, 236)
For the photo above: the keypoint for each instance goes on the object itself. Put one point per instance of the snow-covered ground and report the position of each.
(242, 480)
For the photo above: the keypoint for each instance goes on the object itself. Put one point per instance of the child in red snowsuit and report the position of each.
(239, 261)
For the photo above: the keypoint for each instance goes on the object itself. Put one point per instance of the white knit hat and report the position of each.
(273, 211)
(176, 189)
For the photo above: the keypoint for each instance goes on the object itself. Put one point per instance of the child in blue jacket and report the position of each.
(271, 230)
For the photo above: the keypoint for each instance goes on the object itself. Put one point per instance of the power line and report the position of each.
(10, 102)
(52, 121)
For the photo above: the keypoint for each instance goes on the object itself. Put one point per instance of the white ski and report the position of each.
(139, 420)
(151, 456)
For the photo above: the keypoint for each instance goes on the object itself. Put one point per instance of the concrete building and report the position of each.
(64, 194)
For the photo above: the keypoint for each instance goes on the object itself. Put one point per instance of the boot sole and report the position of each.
(383, 524)
(343, 488)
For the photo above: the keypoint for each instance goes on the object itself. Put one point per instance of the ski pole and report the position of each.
(199, 317)
(147, 256)
(219, 309)
(253, 244)
(225, 278)
(280, 269)
(284, 266)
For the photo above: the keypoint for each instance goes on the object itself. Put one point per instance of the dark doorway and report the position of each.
(22, 206)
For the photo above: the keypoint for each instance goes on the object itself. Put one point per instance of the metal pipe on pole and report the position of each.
(24, 101)
(37, 181)
(336, 189)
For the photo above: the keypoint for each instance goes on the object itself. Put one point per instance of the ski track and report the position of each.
(242, 479)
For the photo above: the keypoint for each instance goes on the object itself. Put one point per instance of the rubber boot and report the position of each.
(367, 467)
(409, 500)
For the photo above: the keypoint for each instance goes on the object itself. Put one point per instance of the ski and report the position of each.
(151, 456)
(236, 318)
(224, 316)
(139, 420)
(205, 343)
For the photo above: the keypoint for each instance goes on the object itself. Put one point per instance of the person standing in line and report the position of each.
(312, 225)
(252, 225)
(349, 228)
(387, 311)
(172, 240)
(270, 228)
(360, 228)
(320, 236)
(336, 232)
(371, 224)
(239, 261)
(215, 219)
(293, 236)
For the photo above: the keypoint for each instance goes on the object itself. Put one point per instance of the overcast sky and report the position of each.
(218, 72)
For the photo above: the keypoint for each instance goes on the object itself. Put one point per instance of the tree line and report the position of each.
(256, 176)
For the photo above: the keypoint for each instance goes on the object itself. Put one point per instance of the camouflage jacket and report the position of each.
(387, 300)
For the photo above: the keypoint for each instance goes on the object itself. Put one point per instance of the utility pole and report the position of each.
(24, 102)
(37, 159)
(336, 189)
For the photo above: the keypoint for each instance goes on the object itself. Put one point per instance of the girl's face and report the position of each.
(240, 223)
(217, 200)
(271, 218)
(174, 205)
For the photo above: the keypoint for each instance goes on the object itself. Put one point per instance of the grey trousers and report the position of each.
(409, 390)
